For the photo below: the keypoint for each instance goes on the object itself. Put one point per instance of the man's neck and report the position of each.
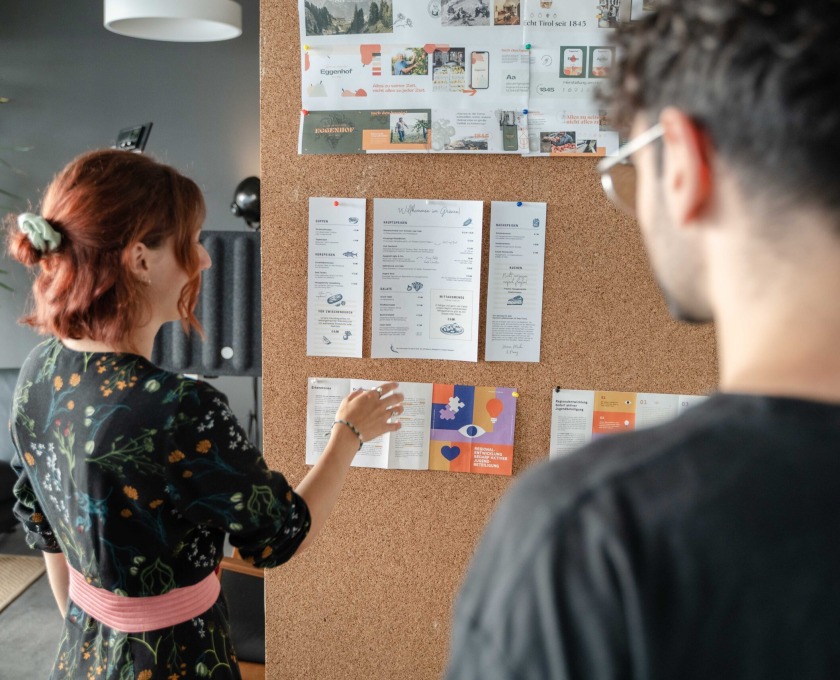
(778, 318)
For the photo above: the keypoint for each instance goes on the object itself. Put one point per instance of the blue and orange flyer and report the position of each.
(453, 428)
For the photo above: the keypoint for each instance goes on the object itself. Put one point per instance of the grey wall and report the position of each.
(73, 85)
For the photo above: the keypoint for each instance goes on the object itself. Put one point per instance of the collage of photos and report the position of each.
(397, 59)
(480, 12)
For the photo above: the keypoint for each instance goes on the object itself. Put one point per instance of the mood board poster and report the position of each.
(581, 416)
(457, 76)
(451, 428)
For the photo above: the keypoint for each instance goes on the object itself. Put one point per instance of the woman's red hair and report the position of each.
(102, 204)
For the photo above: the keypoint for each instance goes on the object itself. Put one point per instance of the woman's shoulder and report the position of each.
(40, 362)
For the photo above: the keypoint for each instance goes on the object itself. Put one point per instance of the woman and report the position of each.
(129, 475)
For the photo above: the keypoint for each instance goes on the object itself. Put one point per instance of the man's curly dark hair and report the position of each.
(761, 77)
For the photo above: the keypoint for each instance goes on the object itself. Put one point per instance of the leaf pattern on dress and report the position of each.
(136, 474)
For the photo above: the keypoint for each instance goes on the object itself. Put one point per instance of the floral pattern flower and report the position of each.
(136, 474)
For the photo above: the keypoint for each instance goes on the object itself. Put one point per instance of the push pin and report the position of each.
(306, 47)
(304, 112)
(519, 204)
(525, 112)
(335, 203)
(527, 46)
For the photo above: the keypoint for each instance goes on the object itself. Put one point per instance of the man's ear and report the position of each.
(687, 177)
(139, 261)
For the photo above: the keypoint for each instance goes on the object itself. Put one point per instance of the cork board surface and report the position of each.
(372, 599)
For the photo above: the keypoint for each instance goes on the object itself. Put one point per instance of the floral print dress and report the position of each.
(136, 474)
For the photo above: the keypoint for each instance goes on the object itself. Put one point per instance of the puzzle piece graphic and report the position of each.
(446, 414)
(455, 404)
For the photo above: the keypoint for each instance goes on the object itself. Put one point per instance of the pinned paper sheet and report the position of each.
(426, 279)
(515, 281)
(580, 416)
(336, 277)
(452, 428)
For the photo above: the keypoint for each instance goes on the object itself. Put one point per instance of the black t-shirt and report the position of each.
(706, 549)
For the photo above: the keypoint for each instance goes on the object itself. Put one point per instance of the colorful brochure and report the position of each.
(581, 416)
(453, 428)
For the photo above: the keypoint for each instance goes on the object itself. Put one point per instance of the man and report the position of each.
(404, 64)
(401, 127)
(708, 548)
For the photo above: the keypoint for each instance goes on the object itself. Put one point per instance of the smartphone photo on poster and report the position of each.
(480, 73)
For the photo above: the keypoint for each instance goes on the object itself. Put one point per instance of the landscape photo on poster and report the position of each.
(347, 17)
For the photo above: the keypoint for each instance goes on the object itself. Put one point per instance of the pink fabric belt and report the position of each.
(142, 614)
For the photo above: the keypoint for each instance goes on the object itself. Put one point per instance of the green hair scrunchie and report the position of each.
(39, 232)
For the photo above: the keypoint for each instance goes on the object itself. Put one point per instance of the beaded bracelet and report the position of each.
(352, 427)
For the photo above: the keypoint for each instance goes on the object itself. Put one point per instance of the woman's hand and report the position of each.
(372, 412)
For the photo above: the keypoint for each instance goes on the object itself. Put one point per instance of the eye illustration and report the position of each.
(472, 431)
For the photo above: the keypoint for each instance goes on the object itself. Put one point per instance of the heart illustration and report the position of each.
(450, 452)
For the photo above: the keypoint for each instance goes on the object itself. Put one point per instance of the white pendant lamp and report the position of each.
(175, 20)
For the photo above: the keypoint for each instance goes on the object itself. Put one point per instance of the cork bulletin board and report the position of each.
(372, 599)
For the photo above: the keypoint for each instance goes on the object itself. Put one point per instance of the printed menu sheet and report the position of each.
(581, 416)
(426, 279)
(452, 428)
(336, 285)
(515, 281)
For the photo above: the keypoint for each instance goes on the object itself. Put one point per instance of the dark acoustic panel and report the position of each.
(228, 308)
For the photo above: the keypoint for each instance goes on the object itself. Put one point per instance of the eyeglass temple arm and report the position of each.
(631, 147)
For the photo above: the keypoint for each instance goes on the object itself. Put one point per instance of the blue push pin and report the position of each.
(519, 204)
(525, 111)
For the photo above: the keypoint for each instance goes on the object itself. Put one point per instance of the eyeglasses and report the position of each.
(618, 174)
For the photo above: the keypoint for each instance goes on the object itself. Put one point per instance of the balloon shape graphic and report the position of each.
(494, 408)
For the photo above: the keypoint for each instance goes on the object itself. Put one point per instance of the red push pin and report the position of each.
(335, 203)
(304, 112)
